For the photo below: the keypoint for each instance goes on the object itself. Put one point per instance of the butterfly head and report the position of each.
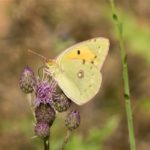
(49, 63)
(51, 66)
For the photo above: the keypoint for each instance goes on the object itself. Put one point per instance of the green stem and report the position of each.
(46, 143)
(128, 107)
(66, 139)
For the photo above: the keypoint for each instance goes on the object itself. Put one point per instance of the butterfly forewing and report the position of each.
(94, 50)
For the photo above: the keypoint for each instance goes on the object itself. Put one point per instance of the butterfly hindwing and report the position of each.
(79, 82)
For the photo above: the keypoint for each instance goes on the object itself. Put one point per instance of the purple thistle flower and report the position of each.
(73, 120)
(42, 129)
(45, 92)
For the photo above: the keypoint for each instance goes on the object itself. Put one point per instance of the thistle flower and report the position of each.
(73, 120)
(61, 103)
(42, 129)
(45, 92)
(27, 80)
(45, 113)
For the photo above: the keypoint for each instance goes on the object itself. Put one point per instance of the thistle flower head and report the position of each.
(45, 92)
(45, 113)
(61, 103)
(42, 129)
(27, 80)
(73, 120)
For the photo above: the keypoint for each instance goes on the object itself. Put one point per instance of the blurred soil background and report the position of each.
(50, 26)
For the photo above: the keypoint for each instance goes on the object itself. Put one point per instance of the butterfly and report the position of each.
(77, 69)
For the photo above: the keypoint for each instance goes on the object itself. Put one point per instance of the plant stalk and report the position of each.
(128, 107)
(66, 139)
(46, 143)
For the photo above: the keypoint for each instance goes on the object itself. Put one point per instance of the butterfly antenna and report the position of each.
(31, 51)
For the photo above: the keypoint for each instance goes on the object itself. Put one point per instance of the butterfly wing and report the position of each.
(93, 50)
(100, 47)
(79, 82)
(80, 78)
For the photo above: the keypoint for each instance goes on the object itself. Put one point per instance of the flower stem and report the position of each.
(46, 143)
(128, 107)
(66, 139)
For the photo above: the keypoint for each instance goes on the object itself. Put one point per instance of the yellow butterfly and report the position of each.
(77, 69)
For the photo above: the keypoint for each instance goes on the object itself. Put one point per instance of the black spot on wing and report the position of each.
(78, 52)
(83, 61)
(92, 62)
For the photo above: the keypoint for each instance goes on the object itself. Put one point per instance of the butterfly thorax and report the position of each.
(52, 68)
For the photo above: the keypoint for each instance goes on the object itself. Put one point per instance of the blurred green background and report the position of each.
(50, 26)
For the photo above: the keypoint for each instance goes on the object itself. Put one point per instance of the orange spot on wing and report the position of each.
(85, 54)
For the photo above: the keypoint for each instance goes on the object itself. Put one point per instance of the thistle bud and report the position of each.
(42, 129)
(45, 113)
(73, 120)
(27, 80)
(61, 103)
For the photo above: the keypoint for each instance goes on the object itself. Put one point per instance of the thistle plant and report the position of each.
(72, 122)
(27, 80)
(46, 102)
(61, 103)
